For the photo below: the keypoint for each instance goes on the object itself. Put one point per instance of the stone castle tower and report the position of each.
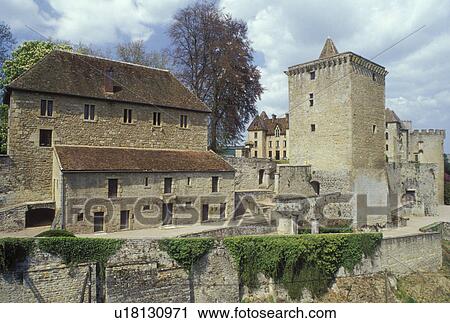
(337, 122)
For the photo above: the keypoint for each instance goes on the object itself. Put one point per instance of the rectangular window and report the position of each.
(256, 135)
(270, 144)
(277, 155)
(215, 184)
(89, 112)
(189, 182)
(313, 128)
(45, 138)
(46, 108)
(205, 212)
(146, 182)
(312, 75)
(124, 219)
(99, 221)
(311, 99)
(387, 136)
(278, 144)
(127, 115)
(156, 118)
(284, 154)
(270, 154)
(80, 217)
(113, 185)
(167, 213)
(167, 185)
(285, 144)
(256, 144)
(183, 121)
(387, 147)
(374, 129)
(260, 176)
(256, 154)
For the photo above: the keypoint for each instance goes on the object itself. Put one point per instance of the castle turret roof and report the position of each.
(328, 49)
(391, 116)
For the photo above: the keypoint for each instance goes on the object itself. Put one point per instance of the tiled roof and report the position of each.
(391, 116)
(263, 123)
(112, 159)
(63, 72)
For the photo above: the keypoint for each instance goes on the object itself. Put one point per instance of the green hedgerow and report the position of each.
(13, 251)
(186, 251)
(74, 251)
(56, 233)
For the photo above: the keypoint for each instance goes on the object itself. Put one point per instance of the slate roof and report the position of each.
(391, 116)
(69, 73)
(263, 123)
(113, 159)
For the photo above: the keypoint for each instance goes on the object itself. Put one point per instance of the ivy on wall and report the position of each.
(74, 251)
(186, 251)
(14, 251)
(299, 262)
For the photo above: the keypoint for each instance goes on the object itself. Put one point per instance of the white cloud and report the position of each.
(289, 32)
(91, 21)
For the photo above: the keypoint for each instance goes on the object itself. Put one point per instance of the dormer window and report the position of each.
(277, 131)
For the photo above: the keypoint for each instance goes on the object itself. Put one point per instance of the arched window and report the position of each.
(277, 131)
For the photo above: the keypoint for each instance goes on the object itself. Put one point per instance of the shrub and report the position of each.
(13, 251)
(186, 251)
(56, 233)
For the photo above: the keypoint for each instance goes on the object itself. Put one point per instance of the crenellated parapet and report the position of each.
(429, 132)
(337, 60)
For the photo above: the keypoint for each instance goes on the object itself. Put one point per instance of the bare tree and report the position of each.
(135, 52)
(92, 50)
(214, 58)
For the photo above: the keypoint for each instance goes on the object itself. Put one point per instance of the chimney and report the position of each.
(274, 116)
(109, 87)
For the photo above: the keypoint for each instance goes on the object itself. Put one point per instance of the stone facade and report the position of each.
(141, 272)
(32, 164)
(87, 193)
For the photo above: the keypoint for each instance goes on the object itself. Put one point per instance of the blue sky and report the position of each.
(284, 33)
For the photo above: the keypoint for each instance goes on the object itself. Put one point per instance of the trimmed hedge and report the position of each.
(56, 233)
(14, 251)
(186, 251)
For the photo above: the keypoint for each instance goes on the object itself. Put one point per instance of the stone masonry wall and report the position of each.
(133, 195)
(141, 272)
(32, 164)
(247, 173)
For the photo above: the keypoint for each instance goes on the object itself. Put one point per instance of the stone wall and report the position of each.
(418, 178)
(32, 163)
(247, 173)
(294, 180)
(141, 272)
(144, 202)
(6, 180)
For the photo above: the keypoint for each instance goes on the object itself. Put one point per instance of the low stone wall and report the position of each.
(234, 231)
(141, 272)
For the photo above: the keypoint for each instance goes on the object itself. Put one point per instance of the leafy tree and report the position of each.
(214, 58)
(135, 52)
(26, 55)
(7, 42)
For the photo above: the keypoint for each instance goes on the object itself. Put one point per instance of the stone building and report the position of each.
(337, 122)
(69, 99)
(269, 138)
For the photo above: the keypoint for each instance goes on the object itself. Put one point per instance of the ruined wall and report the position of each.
(141, 272)
(32, 164)
(295, 180)
(428, 146)
(247, 173)
(418, 178)
(144, 202)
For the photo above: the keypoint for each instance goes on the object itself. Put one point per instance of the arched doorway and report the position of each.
(39, 217)
(316, 187)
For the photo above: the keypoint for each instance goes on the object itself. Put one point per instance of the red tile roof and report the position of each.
(63, 72)
(263, 123)
(112, 159)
